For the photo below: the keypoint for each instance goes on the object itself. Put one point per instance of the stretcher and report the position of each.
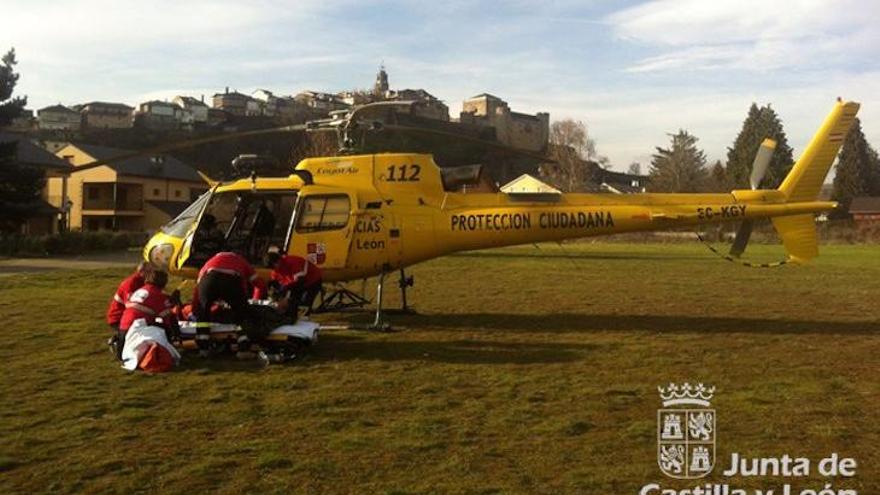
(284, 343)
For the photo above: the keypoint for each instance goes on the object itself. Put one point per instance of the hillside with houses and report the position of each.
(141, 194)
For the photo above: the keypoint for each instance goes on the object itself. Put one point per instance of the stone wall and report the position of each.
(515, 129)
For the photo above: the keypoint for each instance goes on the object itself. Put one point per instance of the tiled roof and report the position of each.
(189, 100)
(865, 204)
(484, 95)
(29, 153)
(56, 108)
(121, 106)
(142, 166)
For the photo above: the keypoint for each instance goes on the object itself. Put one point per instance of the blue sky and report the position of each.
(632, 71)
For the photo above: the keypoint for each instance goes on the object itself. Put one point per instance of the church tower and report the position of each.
(381, 86)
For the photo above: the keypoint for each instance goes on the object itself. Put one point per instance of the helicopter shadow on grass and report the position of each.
(339, 347)
(582, 256)
(584, 322)
(191, 362)
(335, 347)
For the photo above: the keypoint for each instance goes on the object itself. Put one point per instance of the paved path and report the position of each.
(91, 261)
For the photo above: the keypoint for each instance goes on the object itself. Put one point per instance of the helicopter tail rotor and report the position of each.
(759, 170)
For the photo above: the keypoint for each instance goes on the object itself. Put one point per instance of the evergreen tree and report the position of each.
(19, 185)
(680, 168)
(718, 180)
(874, 173)
(858, 169)
(760, 123)
(10, 108)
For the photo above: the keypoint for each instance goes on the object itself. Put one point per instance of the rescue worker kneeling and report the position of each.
(117, 305)
(230, 278)
(147, 340)
(295, 281)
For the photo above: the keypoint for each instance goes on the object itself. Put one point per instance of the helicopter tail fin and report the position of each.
(808, 174)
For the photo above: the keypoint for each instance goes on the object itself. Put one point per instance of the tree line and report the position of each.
(683, 167)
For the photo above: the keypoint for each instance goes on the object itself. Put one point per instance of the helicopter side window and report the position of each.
(323, 213)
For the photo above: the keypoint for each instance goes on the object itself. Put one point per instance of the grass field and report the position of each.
(526, 371)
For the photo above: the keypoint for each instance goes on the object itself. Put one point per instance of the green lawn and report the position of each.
(526, 371)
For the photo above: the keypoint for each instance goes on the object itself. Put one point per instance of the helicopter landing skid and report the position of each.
(379, 322)
(341, 299)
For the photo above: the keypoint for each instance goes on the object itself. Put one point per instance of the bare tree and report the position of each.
(572, 148)
(635, 168)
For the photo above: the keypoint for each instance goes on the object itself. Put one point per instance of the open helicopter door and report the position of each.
(322, 226)
(195, 212)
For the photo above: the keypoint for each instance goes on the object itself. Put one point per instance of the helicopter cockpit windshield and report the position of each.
(243, 221)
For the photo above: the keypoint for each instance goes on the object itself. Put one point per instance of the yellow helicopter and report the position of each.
(358, 216)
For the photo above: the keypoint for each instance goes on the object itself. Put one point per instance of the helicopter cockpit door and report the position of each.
(198, 209)
(322, 227)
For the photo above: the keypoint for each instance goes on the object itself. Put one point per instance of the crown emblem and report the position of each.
(686, 393)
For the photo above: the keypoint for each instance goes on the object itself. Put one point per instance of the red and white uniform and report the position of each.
(234, 264)
(117, 305)
(293, 269)
(148, 302)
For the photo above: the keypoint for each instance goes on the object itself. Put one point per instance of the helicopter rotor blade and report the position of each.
(161, 149)
(462, 137)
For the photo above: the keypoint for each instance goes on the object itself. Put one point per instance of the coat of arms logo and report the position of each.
(686, 431)
(316, 252)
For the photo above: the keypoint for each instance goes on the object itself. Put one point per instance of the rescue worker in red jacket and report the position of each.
(117, 304)
(228, 277)
(149, 303)
(294, 279)
(130, 284)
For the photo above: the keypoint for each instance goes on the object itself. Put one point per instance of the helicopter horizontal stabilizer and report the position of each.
(798, 234)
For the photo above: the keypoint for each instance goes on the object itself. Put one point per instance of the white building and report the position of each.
(526, 183)
(197, 108)
(157, 114)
